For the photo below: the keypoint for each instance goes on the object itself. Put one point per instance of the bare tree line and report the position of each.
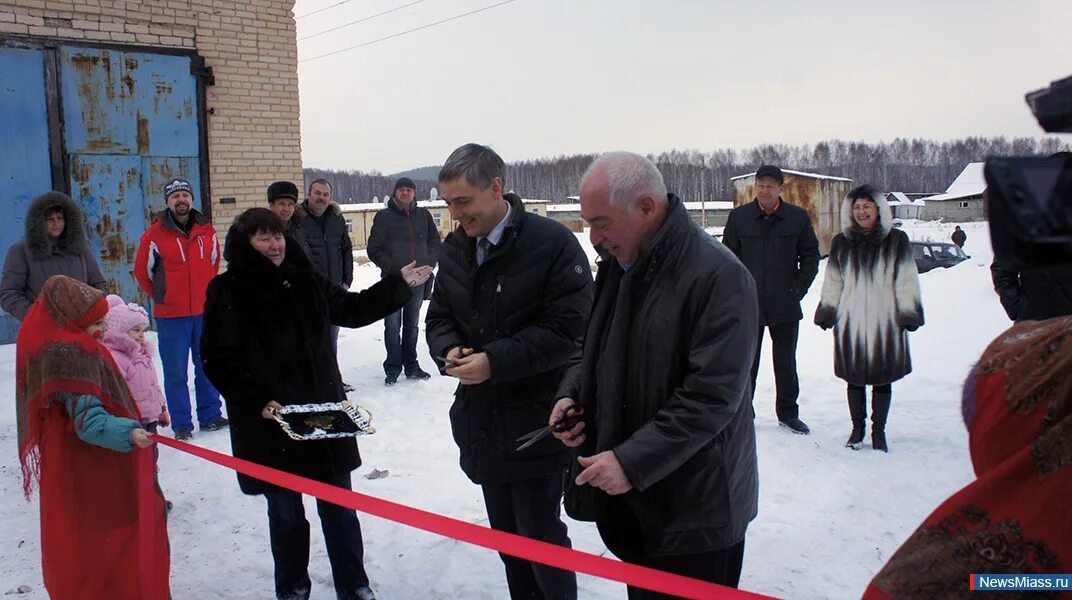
(914, 166)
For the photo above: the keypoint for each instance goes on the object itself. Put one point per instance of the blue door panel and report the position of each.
(128, 103)
(130, 123)
(24, 150)
(108, 188)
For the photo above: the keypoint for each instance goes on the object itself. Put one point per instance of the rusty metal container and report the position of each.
(820, 195)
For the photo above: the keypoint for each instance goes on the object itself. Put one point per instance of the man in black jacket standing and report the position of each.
(777, 243)
(403, 233)
(328, 242)
(507, 313)
(666, 460)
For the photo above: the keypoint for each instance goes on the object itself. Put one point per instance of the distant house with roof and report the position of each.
(705, 214)
(820, 195)
(904, 207)
(359, 217)
(963, 200)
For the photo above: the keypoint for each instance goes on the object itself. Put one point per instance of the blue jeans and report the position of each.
(402, 350)
(289, 532)
(179, 337)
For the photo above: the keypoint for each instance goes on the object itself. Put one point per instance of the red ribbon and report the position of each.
(507, 543)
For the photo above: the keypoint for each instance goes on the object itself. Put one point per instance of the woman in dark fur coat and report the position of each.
(267, 343)
(871, 298)
(55, 244)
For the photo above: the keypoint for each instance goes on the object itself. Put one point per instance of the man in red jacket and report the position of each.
(177, 257)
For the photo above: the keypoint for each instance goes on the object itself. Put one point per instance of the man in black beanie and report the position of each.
(403, 233)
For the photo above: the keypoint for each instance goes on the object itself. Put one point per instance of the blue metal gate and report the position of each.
(25, 171)
(130, 122)
(129, 125)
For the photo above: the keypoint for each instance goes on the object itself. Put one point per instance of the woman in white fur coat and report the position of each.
(871, 298)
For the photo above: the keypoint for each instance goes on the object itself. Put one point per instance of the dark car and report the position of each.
(931, 255)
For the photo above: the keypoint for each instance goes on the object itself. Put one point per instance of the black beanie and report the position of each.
(772, 172)
(177, 185)
(282, 189)
(402, 182)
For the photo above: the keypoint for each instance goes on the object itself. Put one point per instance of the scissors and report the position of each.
(446, 362)
(570, 418)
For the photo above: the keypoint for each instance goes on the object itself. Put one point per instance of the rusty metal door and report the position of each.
(130, 125)
(25, 171)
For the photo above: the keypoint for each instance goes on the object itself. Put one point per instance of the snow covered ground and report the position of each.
(828, 519)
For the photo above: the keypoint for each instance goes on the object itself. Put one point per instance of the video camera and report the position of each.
(1029, 199)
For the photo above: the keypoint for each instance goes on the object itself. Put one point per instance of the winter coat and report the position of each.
(296, 232)
(399, 237)
(174, 267)
(136, 365)
(526, 307)
(871, 298)
(959, 237)
(328, 242)
(780, 251)
(665, 376)
(32, 261)
(267, 336)
(1036, 294)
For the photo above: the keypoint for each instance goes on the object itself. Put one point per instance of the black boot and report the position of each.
(858, 413)
(880, 409)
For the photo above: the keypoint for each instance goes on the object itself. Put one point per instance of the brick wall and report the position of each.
(253, 133)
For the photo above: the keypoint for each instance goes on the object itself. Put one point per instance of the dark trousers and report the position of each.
(289, 532)
(402, 350)
(531, 507)
(620, 531)
(784, 350)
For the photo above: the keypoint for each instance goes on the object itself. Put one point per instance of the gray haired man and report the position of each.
(666, 463)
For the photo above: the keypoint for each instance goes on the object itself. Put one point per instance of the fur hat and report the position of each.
(123, 317)
(282, 189)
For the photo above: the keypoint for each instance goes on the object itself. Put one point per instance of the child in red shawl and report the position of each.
(103, 533)
(1014, 518)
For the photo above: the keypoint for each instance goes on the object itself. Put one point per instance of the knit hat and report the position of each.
(177, 185)
(282, 189)
(123, 317)
(402, 182)
(770, 171)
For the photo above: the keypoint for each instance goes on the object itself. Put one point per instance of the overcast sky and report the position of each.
(539, 78)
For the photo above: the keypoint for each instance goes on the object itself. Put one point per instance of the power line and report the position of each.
(320, 10)
(383, 39)
(362, 20)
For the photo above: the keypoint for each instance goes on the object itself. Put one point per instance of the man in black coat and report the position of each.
(959, 236)
(403, 233)
(508, 310)
(324, 230)
(777, 243)
(666, 461)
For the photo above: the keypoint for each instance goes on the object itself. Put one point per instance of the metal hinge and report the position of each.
(199, 69)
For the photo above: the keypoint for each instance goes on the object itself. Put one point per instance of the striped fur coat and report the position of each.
(871, 298)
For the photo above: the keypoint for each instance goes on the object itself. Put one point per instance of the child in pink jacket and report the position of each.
(125, 338)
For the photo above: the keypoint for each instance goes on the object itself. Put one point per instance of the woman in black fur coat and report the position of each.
(267, 343)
